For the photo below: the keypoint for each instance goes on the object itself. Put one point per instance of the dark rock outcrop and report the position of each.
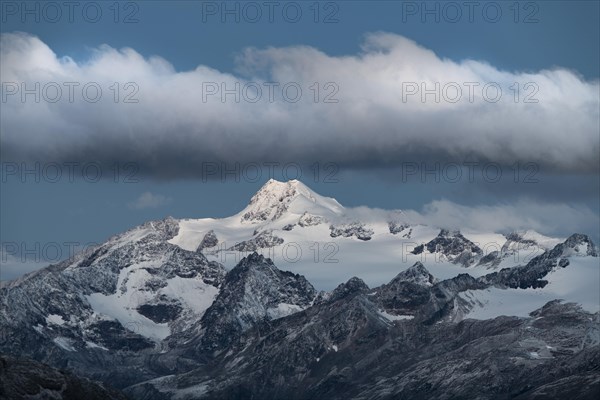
(454, 246)
(255, 290)
(28, 379)
(355, 229)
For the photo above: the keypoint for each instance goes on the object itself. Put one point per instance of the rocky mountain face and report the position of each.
(456, 248)
(406, 292)
(355, 229)
(269, 334)
(253, 292)
(532, 274)
(26, 379)
(209, 240)
(262, 240)
(150, 314)
(452, 245)
(108, 310)
(402, 340)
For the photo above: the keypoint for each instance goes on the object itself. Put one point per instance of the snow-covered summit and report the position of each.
(305, 232)
(276, 198)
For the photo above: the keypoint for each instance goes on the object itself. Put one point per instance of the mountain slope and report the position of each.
(111, 306)
(26, 379)
(254, 291)
(304, 232)
(348, 346)
(153, 310)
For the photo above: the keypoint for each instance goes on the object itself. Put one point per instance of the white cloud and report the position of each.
(549, 218)
(149, 200)
(171, 130)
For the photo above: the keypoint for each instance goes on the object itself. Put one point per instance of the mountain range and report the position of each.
(226, 309)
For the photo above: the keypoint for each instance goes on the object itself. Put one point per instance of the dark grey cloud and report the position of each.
(175, 128)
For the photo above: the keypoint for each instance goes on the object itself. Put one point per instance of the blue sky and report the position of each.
(553, 33)
(526, 39)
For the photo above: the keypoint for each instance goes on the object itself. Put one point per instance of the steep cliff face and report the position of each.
(253, 292)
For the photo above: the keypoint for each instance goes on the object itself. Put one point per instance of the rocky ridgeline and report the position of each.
(356, 229)
(268, 334)
(263, 240)
(401, 340)
(454, 246)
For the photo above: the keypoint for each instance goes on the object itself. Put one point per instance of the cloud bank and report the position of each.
(552, 219)
(369, 109)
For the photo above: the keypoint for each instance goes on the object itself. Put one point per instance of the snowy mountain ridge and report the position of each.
(303, 231)
(155, 312)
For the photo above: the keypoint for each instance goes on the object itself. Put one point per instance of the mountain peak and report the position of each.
(276, 182)
(416, 274)
(353, 286)
(252, 263)
(275, 198)
(255, 259)
(282, 189)
(255, 290)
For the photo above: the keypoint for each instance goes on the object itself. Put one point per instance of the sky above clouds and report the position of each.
(363, 130)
